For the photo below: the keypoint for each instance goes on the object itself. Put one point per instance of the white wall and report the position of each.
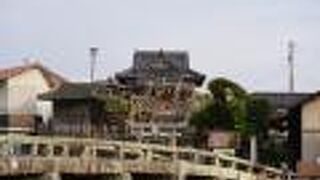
(23, 91)
(310, 146)
(311, 115)
(311, 130)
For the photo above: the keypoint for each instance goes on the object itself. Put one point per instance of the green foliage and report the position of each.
(258, 111)
(231, 108)
(227, 109)
(203, 118)
(200, 101)
(115, 104)
(273, 154)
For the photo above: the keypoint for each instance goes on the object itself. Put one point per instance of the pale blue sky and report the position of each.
(244, 40)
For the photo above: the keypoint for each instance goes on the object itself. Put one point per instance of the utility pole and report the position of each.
(291, 48)
(93, 59)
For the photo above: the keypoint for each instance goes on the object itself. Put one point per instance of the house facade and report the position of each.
(20, 108)
(309, 162)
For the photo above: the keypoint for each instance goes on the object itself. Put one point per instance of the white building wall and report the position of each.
(23, 91)
(311, 130)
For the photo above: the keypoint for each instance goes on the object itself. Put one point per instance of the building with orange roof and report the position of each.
(20, 108)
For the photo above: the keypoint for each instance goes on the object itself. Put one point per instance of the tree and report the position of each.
(258, 111)
(225, 111)
(114, 104)
(232, 108)
(229, 104)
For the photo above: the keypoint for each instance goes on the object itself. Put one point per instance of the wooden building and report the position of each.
(162, 85)
(80, 110)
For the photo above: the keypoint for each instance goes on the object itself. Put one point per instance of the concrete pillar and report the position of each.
(65, 152)
(253, 149)
(50, 147)
(217, 161)
(51, 176)
(121, 151)
(126, 176)
(233, 165)
(196, 158)
(179, 177)
(149, 155)
(34, 149)
(181, 171)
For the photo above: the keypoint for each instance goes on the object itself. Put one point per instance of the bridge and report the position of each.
(59, 158)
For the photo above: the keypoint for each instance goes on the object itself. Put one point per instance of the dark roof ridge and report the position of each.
(281, 93)
(152, 51)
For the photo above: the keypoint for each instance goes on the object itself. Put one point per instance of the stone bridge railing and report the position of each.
(36, 155)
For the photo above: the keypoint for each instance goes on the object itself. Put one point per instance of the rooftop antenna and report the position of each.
(93, 59)
(291, 49)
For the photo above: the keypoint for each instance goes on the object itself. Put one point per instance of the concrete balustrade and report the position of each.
(35, 154)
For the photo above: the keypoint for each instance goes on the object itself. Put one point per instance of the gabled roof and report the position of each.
(178, 59)
(54, 80)
(155, 64)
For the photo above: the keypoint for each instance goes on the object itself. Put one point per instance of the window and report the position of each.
(131, 156)
(57, 150)
(104, 153)
(147, 129)
(43, 150)
(76, 150)
(26, 149)
(22, 149)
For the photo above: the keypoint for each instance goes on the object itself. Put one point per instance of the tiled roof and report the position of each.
(153, 64)
(79, 91)
(282, 99)
(52, 78)
(178, 59)
(70, 91)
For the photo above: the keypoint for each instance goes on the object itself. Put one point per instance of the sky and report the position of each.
(244, 40)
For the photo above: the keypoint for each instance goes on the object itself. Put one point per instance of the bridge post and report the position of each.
(149, 154)
(233, 165)
(178, 176)
(180, 171)
(196, 158)
(51, 176)
(217, 161)
(126, 176)
(34, 149)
